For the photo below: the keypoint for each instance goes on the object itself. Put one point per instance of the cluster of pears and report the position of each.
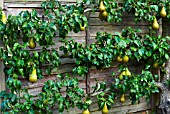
(155, 24)
(103, 13)
(125, 73)
(33, 76)
(104, 110)
(3, 19)
(124, 59)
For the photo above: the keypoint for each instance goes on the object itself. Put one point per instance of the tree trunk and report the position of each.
(164, 105)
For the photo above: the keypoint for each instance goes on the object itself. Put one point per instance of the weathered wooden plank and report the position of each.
(2, 80)
(124, 14)
(109, 29)
(127, 109)
(26, 5)
(119, 109)
(39, 0)
(165, 27)
(112, 29)
(33, 4)
(126, 20)
(37, 90)
(2, 77)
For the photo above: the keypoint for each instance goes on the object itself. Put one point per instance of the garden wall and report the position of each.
(95, 25)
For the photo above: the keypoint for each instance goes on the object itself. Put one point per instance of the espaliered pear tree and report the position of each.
(127, 45)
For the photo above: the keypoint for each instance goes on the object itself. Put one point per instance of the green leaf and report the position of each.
(26, 97)
(61, 107)
(89, 101)
(100, 56)
(148, 53)
(141, 52)
(21, 71)
(167, 56)
(154, 45)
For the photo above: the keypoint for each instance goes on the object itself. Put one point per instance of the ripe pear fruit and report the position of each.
(86, 112)
(102, 7)
(155, 24)
(155, 65)
(163, 12)
(121, 75)
(119, 59)
(122, 99)
(32, 43)
(33, 76)
(4, 19)
(104, 14)
(128, 73)
(125, 58)
(82, 28)
(105, 109)
(163, 65)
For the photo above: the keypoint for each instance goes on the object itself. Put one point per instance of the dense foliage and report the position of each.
(18, 31)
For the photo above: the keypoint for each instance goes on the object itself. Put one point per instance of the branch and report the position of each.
(89, 10)
(159, 85)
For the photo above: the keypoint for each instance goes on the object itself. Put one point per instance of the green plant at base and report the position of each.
(49, 97)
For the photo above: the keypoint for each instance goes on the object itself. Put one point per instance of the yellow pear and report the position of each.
(163, 65)
(4, 19)
(121, 75)
(155, 65)
(155, 24)
(128, 73)
(32, 43)
(122, 99)
(33, 76)
(82, 28)
(102, 7)
(125, 58)
(86, 112)
(119, 59)
(105, 109)
(104, 14)
(163, 12)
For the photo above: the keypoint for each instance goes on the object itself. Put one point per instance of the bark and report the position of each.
(164, 105)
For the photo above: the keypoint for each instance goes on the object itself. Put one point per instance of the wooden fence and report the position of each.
(15, 6)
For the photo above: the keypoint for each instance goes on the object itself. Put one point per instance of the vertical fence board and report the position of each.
(2, 79)
(88, 74)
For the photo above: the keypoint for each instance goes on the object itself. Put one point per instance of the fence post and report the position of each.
(87, 39)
